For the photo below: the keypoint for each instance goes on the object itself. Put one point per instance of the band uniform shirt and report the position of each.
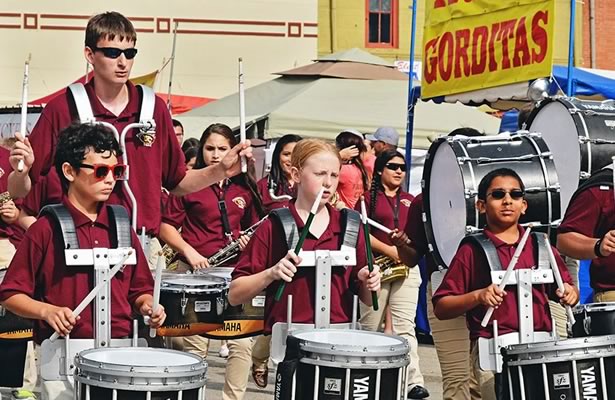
(48, 190)
(150, 167)
(384, 212)
(415, 229)
(469, 271)
(270, 204)
(267, 247)
(592, 213)
(39, 271)
(200, 218)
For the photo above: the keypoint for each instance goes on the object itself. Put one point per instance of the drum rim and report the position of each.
(593, 307)
(348, 350)
(151, 386)
(604, 343)
(219, 285)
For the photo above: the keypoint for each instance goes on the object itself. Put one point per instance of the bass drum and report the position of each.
(580, 135)
(455, 166)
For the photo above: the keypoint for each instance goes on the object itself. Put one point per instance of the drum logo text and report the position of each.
(561, 381)
(333, 386)
(361, 389)
(588, 383)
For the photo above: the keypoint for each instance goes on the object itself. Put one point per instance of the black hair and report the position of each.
(75, 142)
(382, 160)
(246, 180)
(190, 142)
(190, 153)
(277, 179)
(176, 123)
(487, 179)
(466, 131)
(347, 139)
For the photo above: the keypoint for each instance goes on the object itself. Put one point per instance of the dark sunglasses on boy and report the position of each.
(102, 170)
(114, 52)
(396, 166)
(499, 194)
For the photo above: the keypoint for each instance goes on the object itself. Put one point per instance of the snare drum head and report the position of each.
(350, 340)
(219, 272)
(141, 357)
(192, 283)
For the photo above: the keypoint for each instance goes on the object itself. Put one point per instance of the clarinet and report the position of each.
(231, 250)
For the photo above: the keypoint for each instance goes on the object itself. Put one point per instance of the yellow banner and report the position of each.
(475, 44)
(147, 80)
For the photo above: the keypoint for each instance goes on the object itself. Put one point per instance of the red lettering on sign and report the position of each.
(430, 72)
(445, 56)
(521, 55)
(479, 51)
(493, 64)
(507, 32)
(461, 52)
(539, 36)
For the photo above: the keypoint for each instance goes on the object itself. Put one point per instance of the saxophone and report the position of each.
(391, 270)
(231, 250)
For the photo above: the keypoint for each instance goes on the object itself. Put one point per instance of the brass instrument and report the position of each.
(391, 270)
(5, 197)
(231, 250)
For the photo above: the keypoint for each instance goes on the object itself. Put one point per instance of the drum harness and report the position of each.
(146, 134)
(323, 261)
(57, 355)
(489, 350)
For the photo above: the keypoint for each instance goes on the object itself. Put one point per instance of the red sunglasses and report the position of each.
(102, 170)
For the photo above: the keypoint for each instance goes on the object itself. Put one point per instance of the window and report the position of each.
(381, 23)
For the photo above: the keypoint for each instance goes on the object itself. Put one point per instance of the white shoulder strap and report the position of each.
(82, 101)
(148, 102)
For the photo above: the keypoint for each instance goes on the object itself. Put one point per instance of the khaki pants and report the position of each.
(485, 379)
(153, 253)
(401, 296)
(196, 344)
(261, 350)
(452, 341)
(238, 367)
(7, 251)
(604, 297)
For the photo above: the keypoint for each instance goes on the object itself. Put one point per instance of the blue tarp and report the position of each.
(585, 83)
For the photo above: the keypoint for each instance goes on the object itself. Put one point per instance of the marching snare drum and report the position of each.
(453, 170)
(194, 304)
(343, 364)
(139, 373)
(580, 135)
(240, 321)
(594, 319)
(580, 368)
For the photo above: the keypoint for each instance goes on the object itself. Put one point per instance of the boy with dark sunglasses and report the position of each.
(156, 160)
(40, 286)
(467, 286)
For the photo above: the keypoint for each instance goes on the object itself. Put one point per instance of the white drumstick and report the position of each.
(24, 107)
(559, 281)
(509, 270)
(159, 267)
(242, 115)
(88, 299)
(379, 226)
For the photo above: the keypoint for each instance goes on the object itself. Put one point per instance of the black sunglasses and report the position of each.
(396, 166)
(102, 170)
(114, 52)
(499, 194)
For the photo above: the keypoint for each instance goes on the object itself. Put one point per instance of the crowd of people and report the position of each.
(193, 197)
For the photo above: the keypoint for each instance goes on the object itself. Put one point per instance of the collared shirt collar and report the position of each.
(334, 220)
(499, 242)
(80, 219)
(99, 110)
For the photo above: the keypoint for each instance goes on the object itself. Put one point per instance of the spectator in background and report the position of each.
(179, 130)
(385, 138)
(190, 156)
(190, 142)
(354, 178)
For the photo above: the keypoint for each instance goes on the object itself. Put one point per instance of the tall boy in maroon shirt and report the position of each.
(467, 287)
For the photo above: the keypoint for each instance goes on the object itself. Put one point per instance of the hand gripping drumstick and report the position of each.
(159, 267)
(304, 233)
(509, 270)
(560, 283)
(24, 107)
(88, 299)
(242, 115)
(368, 248)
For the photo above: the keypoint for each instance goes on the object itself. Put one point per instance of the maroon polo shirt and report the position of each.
(469, 271)
(151, 167)
(592, 213)
(266, 248)
(270, 204)
(48, 190)
(384, 213)
(201, 220)
(415, 229)
(39, 271)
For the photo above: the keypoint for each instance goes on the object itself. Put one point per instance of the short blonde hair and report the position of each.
(308, 147)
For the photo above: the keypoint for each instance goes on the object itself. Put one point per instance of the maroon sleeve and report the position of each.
(457, 280)
(415, 229)
(255, 257)
(173, 166)
(44, 138)
(582, 215)
(141, 281)
(174, 211)
(21, 275)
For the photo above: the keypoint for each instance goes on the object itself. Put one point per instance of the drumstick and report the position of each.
(559, 281)
(88, 299)
(379, 226)
(304, 233)
(159, 267)
(509, 270)
(242, 115)
(24, 107)
(368, 248)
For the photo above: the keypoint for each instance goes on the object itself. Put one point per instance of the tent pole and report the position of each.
(573, 11)
(172, 65)
(411, 96)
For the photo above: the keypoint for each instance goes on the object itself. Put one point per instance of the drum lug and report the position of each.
(184, 303)
(470, 230)
(220, 305)
(584, 175)
(2, 311)
(470, 193)
(587, 324)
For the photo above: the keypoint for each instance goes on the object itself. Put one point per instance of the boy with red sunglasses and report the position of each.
(467, 286)
(38, 285)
